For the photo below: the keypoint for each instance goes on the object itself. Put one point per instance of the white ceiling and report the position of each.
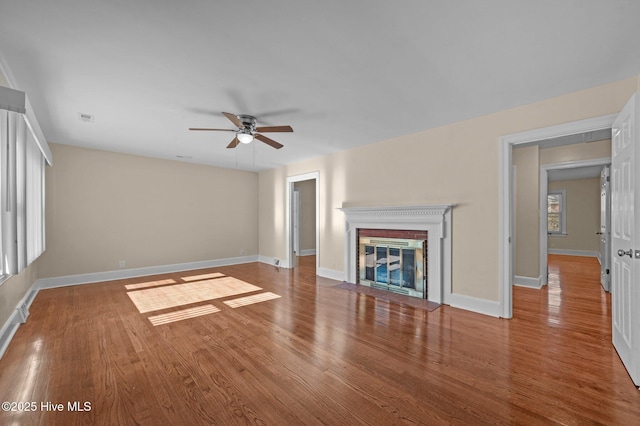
(341, 73)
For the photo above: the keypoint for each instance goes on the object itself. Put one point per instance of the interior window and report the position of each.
(556, 217)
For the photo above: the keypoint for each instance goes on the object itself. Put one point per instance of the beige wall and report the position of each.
(307, 190)
(526, 164)
(457, 164)
(103, 207)
(583, 215)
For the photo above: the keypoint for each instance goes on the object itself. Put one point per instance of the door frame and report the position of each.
(506, 203)
(544, 188)
(605, 212)
(295, 208)
(290, 260)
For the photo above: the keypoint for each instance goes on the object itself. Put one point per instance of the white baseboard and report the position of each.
(270, 260)
(8, 330)
(527, 282)
(19, 316)
(309, 252)
(474, 304)
(585, 253)
(138, 272)
(331, 274)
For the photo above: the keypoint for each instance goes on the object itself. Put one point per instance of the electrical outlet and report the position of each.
(241, 252)
(121, 264)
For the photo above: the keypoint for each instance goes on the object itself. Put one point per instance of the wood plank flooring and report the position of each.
(299, 351)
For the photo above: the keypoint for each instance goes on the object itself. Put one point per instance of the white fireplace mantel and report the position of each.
(433, 218)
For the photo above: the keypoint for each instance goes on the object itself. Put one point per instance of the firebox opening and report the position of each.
(393, 260)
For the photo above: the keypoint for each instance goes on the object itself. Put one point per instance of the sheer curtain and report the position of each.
(22, 237)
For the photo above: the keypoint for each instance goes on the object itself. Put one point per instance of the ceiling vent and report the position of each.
(87, 118)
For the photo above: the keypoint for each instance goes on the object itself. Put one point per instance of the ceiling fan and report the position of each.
(247, 130)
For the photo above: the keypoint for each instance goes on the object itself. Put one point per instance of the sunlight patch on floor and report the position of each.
(202, 277)
(149, 284)
(155, 299)
(249, 300)
(183, 314)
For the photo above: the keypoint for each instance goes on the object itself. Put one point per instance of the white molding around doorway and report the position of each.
(507, 143)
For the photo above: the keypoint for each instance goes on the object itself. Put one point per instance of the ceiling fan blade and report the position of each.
(233, 143)
(214, 130)
(274, 129)
(268, 141)
(234, 119)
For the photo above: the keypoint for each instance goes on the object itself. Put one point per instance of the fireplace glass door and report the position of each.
(393, 264)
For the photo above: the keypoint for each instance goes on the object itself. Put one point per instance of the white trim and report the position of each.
(288, 261)
(19, 316)
(529, 282)
(119, 274)
(585, 253)
(435, 219)
(507, 143)
(474, 304)
(309, 252)
(8, 331)
(330, 273)
(268, 260)
(544, 185)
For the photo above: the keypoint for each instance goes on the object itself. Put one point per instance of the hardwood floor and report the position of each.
(303, 352)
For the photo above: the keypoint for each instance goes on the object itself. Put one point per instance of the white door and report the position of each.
(296, 222)
(625, 226)
(605, 226)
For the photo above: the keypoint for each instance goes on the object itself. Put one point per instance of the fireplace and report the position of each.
(393, 260)
(385, 246)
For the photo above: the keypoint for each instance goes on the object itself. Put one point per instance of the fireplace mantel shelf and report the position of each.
(427, 209)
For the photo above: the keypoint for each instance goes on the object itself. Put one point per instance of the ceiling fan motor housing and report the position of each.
(248, 122)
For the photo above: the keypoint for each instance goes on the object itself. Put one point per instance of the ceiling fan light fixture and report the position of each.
(245, 137)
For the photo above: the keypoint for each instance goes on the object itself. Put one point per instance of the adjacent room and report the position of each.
(319, 213)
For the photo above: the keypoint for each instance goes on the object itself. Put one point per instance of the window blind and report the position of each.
(22, 203)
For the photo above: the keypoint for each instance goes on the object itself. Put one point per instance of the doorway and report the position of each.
(570, 170)
(302, 210)
(507, 143)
